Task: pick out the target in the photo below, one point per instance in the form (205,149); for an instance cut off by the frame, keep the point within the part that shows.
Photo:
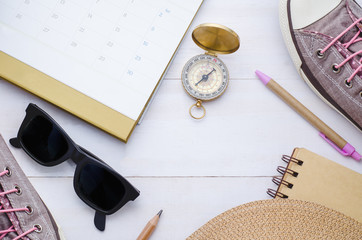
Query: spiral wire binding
(283,170)
(280,181)
(273,193)
(289,159)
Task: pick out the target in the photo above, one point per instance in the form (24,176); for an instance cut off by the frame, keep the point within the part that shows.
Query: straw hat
(280,219)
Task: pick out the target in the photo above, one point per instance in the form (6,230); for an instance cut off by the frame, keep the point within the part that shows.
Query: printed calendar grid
(109,43)
(138,69)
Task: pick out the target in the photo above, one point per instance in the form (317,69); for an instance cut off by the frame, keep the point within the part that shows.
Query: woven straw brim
(280,219)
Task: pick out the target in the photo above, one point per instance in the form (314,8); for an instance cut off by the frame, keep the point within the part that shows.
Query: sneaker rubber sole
(286,28)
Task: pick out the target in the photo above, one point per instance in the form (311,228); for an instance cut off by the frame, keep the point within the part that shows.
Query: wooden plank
(188,203)
(257,25)
(194,170)
(244,133)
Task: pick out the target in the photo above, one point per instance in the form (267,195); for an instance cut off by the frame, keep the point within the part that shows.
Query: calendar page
(114,51)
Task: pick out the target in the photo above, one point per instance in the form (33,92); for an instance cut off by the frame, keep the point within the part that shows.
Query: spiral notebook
(313,178)
(101,60)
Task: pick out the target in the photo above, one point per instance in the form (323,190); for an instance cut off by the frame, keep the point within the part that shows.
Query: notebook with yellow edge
(99,60)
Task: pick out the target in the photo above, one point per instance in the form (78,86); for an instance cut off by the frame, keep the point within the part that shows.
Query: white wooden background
(193,170)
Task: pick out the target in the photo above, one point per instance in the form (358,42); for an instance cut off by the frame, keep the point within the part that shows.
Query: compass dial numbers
(205,77)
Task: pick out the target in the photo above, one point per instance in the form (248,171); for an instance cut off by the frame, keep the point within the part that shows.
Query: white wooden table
(193,170)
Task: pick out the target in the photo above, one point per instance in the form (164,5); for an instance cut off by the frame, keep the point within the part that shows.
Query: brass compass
(205,77)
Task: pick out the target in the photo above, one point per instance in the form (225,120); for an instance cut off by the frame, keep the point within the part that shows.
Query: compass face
(205,77)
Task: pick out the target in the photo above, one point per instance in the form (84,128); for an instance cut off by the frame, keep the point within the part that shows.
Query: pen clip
(347,150)
(344,153)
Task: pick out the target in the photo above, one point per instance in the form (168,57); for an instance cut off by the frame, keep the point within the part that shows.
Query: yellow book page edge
(65,97)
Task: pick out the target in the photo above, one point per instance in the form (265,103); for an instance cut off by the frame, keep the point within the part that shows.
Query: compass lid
(216,38)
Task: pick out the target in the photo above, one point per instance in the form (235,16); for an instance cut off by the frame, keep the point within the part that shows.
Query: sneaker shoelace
(3,233)
(354,39)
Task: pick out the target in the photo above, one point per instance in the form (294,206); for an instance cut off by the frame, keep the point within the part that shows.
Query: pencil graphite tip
(264,78)
(159,213)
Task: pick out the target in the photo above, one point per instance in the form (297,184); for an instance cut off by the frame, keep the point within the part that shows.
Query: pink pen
(336,141)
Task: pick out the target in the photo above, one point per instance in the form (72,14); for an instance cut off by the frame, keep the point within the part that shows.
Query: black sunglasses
(96,183)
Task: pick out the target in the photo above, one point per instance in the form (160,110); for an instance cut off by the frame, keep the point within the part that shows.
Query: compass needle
(205,77)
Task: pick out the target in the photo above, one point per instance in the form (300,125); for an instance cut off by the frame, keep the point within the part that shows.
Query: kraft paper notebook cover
(313,178)
(101,60)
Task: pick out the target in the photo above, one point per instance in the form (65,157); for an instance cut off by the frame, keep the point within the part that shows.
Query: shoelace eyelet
(360,94)
(335,69)
(8,174)
(38,228)
(30,210)
(319,53)
(19,192)
(348,84)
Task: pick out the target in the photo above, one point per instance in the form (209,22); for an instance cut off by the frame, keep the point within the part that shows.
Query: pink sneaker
(23,215)
(324,40)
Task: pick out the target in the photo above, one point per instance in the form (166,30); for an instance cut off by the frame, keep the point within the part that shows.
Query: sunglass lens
(100,186)
(44,140)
